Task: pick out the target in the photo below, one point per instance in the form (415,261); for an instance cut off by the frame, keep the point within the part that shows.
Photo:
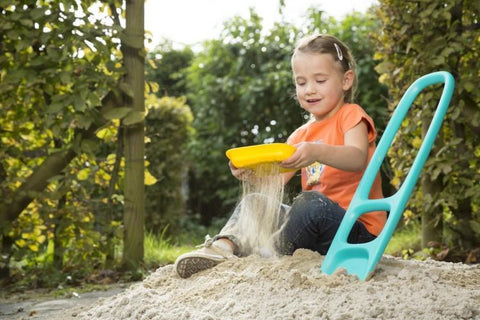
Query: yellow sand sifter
(252,157)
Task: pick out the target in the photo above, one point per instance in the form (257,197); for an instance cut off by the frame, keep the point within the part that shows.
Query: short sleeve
(352,115)
(293,138)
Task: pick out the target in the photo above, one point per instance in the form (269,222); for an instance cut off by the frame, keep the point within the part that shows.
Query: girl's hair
(324,43)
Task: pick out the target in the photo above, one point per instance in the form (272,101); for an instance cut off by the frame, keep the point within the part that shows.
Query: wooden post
(134,192)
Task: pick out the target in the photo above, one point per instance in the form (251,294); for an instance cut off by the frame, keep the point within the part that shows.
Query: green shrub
(168,127)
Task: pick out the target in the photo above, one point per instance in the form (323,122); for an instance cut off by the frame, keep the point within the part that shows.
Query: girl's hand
(304,156)
(240,173)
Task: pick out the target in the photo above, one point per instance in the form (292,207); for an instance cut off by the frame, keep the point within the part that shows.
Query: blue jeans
(310,223)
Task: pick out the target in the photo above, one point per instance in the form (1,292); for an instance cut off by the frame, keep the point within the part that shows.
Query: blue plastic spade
(361,259)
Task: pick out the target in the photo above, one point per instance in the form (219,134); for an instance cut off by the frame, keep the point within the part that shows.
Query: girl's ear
(348,78)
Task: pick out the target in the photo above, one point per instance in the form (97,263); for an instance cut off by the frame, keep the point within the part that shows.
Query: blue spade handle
(361,259)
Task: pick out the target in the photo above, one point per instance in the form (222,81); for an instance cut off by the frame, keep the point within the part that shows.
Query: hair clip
(339,52)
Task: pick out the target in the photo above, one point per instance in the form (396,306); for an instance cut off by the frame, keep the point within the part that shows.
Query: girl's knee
(313,208)
(308,196)
(310,200)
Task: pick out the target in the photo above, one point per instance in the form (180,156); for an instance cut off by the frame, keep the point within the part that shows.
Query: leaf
(133,41)
(37,13)
(78,103)
(106,133)
(94,99)
(151,62)
(126,88)
(438,61)
(20,243)
(116,113)
(475,225)
(417,142)
(88,146)
(83,174)
(153,86)
(33,247)
(38,61)
(469,86)
(54,107)
(149,179)
(134,117)
(41,238)
(65,77)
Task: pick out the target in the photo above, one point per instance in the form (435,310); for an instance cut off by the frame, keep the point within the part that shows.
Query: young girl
(333,150)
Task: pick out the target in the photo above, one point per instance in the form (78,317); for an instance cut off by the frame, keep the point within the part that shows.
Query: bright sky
(193,21)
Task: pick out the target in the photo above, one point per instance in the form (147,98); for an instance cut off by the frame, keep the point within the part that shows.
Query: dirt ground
(46,307)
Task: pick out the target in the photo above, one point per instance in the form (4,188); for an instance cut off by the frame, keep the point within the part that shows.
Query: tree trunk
(5,255)
(133,215)
(58,248)
(432,218)
(463,236)
(109,214)
(432,225)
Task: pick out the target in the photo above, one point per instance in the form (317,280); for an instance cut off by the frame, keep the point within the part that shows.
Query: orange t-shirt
(339,185)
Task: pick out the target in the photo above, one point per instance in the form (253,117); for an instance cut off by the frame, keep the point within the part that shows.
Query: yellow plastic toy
(253,156)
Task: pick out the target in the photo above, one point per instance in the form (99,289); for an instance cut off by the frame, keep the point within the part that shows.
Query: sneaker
(208,257)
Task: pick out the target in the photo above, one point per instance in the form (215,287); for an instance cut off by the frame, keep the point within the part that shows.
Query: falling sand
(260,217)
(293,287)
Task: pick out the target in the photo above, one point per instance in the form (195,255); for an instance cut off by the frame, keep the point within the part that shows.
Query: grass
(159,251)
(405,241)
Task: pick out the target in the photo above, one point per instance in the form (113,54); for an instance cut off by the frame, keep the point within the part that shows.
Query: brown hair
(324,43)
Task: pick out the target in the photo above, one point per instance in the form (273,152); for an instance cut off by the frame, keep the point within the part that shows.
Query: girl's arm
(352,156)
(288,175)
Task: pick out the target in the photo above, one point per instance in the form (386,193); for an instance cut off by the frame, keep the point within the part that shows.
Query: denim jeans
(310,223)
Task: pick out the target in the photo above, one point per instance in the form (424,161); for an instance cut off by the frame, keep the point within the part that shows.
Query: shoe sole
(188,266)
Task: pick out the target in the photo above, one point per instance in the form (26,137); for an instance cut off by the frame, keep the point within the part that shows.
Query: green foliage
(417,38)
(74,224)
(58,61)
(165,69)
(405,240)
(242,93)
(55,67)
(168,127)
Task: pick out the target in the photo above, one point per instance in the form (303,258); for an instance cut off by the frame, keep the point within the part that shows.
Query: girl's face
(320,83)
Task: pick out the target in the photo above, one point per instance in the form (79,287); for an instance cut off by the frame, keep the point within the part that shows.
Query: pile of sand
(292,287)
